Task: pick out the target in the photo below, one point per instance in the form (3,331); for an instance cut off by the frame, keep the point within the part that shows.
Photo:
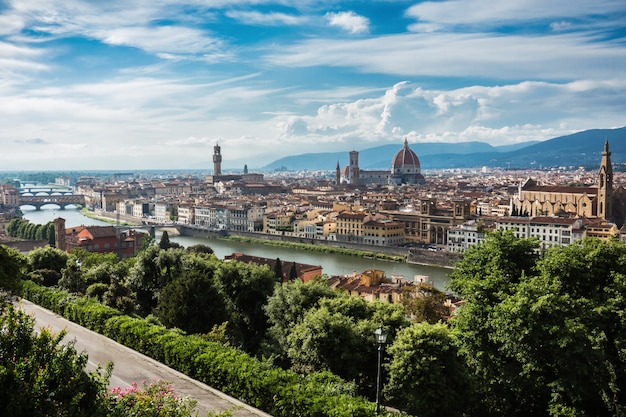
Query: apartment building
(551,231)
(383,233)
(350,226)
(463,236)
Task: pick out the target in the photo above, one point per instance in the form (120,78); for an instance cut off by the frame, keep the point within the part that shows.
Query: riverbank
(388,253)
(110,217)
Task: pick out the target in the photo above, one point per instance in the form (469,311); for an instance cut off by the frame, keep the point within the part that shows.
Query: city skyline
(150,85)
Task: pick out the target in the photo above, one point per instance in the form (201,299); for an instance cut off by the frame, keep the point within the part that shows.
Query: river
(332,263)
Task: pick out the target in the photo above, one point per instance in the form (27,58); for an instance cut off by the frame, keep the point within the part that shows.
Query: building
(429,221)
(550,231)
(463,236)
(383,233)
(405,169)
(371,285)
(99,239)
(598,201)
(304,272)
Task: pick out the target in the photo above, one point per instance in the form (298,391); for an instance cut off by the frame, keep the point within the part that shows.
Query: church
(405,169)
(599,201)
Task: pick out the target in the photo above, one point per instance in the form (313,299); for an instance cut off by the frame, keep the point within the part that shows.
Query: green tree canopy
(245,289)
(285,308)
(192,303)
(11,266)
(427,375)
(550,339)
(47,258)
(40,376)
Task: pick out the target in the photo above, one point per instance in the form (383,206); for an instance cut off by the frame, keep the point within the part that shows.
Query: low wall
(427,257)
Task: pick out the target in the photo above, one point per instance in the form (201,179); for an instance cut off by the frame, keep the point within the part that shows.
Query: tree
(285,308)
(427,375)
(339,336)
(153,269)
(200,248)
(293,272)
(192,303)
(423,302)
(11,265)
(278,270)
(549,342)
(164,243)
(40,376)
(245,289)
(47,258)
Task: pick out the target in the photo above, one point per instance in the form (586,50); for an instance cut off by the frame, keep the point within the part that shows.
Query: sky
(135,84)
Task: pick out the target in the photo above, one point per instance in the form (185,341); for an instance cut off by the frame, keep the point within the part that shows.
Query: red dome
(405,161)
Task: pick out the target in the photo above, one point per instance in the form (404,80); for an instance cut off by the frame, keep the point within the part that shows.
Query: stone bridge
(39,201)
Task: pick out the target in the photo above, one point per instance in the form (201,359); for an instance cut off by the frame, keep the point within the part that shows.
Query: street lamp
(381,338)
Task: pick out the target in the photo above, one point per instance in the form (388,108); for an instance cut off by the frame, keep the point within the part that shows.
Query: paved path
(131,366)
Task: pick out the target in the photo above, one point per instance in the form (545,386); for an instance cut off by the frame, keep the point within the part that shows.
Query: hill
(578,149)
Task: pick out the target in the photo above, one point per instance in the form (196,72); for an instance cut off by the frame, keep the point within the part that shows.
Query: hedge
(279,392)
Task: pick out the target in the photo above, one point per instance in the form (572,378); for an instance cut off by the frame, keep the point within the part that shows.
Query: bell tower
(217,160)
(353,172)
(605,184)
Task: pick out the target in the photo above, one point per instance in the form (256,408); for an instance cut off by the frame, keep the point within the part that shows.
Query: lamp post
(381,338)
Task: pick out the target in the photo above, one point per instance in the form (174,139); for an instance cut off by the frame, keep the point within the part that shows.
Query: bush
(276,391)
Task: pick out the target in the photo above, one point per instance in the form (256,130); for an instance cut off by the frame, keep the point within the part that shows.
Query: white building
(463,236)
(551,231)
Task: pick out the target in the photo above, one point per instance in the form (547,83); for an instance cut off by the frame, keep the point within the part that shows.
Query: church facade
(600,201)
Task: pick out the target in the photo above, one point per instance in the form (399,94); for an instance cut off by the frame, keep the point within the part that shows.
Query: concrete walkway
(131,366)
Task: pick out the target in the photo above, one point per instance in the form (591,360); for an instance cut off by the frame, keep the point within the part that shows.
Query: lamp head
(381,335)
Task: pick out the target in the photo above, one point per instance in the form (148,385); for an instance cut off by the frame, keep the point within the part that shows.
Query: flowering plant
(152,399)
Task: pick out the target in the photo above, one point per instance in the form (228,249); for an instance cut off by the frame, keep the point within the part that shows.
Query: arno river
(332,263)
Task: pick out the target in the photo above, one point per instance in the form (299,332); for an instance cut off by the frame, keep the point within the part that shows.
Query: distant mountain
(579,149)
(380,157)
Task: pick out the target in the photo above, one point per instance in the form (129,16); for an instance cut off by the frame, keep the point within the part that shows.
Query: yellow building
(371,285)
(383,233)
(350,226)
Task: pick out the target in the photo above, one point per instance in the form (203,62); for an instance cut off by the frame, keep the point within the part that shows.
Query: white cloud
(488,12)
(269,19)
(348,21)
(508,57)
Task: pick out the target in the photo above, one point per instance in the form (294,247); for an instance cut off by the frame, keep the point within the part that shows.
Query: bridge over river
(38,201)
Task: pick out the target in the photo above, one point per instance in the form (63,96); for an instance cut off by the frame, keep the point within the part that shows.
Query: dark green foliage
(153,269)
(47,258)
(72,279)
(549,341)
(97,290)
(40,376)
(293,272)
(285,308)
(24,229)
(245,289)
(278,270)
(427,375)
(11,265)
(192,303)
(201,249)
(278,392)
(47,277)
(425,303)
(164,243)
(339,336)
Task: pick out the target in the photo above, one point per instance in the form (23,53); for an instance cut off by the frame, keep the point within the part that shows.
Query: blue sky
(137,84)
